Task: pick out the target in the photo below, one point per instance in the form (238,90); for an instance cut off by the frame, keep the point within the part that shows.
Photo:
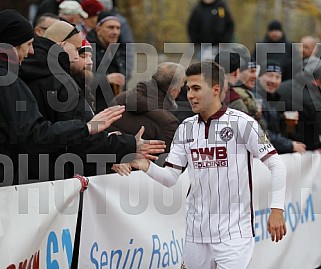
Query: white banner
(37,224)
(300,248)
(134,222)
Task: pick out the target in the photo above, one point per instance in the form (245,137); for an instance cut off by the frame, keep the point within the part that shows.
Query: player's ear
(216,89)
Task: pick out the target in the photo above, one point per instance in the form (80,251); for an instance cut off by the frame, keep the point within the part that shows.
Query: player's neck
(207,114)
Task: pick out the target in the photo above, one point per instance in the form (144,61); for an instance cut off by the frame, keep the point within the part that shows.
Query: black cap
(14,28)
(105,16)
(229,60)
(275,25)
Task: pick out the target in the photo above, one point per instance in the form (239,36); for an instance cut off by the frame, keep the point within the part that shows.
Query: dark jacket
(301,95)
(105,65)
(51,84)
(184,109)
(273,119)
(147,105)
(284,59)
(23,129)
(47,76)
(211,23)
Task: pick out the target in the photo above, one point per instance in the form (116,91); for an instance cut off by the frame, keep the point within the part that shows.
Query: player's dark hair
(211,71)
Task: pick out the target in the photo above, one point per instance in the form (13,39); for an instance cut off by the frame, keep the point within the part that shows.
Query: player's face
(270,81)
(201,96)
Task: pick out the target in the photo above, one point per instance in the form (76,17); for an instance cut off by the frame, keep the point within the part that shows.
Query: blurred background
(159,21)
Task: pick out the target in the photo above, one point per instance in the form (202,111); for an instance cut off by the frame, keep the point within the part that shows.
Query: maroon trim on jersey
(215,116)
(251,190)
(207,127)
(269,155)
(174,166)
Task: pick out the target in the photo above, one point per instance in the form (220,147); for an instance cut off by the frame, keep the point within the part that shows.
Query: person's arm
(278,177)
(261,148)
(32,132)
(276,223)
(166,176)
(175,162)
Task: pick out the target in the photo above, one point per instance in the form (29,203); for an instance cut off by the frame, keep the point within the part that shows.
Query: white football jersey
(219,157)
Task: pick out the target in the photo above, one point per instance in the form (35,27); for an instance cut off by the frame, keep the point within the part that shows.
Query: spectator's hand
(148,147)
(116,78)
(104,119)
(123,169)
(299,147)
(276,224)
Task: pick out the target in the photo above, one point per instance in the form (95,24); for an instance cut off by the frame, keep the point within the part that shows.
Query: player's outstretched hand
(105,118)
(148,147)
(140,163)
(276,224)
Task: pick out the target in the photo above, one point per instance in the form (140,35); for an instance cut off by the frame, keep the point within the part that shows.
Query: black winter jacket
(211,23)
(301,95)
(272,117)
(23,129)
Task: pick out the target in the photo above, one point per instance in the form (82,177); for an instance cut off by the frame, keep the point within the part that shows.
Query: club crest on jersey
(226,134)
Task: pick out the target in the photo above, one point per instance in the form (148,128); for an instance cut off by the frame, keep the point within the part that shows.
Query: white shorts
(236,253)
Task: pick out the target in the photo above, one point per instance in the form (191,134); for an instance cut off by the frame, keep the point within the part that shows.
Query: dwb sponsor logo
(209,157)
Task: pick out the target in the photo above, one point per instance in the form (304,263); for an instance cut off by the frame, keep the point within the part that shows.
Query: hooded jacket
(147,105)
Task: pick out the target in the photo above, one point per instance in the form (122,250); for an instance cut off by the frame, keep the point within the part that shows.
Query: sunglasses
(73,32)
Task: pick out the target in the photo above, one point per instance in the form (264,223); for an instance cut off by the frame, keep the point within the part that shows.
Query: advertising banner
(135,222)
(37,224)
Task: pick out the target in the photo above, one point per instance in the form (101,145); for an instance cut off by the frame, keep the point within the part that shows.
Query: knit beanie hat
(275,25)
(85,47)
(247,64)
(14,28)
(230,61)
(105,16)
(92,7)
(270,66)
